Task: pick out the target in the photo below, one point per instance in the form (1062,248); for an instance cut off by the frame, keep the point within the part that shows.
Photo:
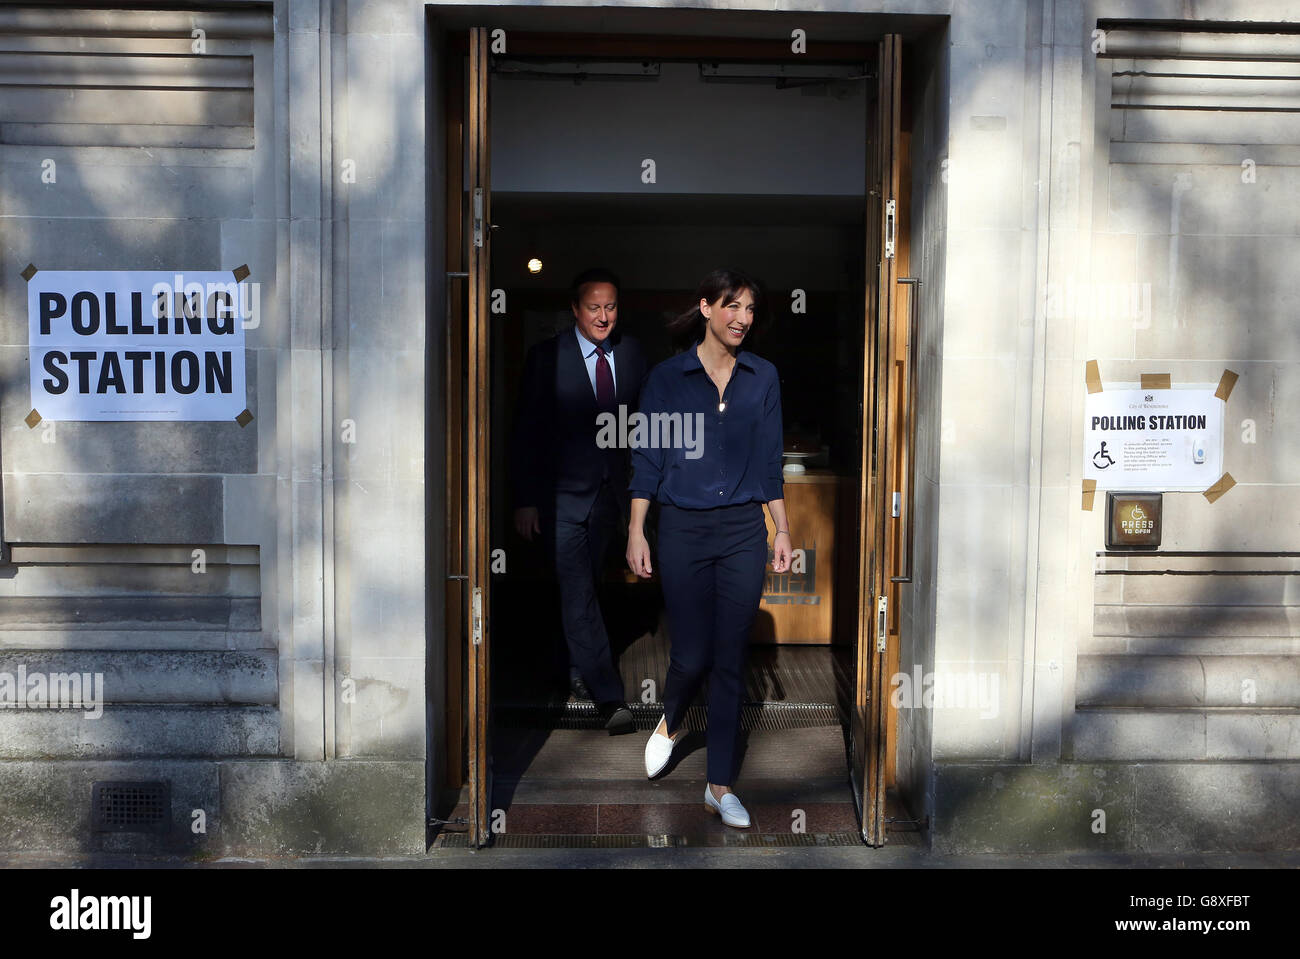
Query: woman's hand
(782,552)
(638,553)
(638,550)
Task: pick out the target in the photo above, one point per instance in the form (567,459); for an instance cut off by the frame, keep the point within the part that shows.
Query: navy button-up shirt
(710,453)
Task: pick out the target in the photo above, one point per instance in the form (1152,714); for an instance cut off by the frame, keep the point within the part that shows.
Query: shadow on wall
(144,206)
(1198,245)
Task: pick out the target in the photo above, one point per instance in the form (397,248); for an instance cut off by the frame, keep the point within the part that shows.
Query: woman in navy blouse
(711,458)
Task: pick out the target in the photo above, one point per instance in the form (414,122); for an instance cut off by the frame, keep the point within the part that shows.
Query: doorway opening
(549,747)
(802,208)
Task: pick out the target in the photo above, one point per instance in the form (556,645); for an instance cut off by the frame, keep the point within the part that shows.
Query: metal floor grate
(530,660)
(583,715)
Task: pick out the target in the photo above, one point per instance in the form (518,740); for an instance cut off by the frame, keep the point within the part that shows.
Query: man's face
(596,311)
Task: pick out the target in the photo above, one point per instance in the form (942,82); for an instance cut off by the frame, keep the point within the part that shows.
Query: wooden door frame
(902,416)
(453,80)
(882,724)
(468,446)
(478,429)
(872,718)
(569,47)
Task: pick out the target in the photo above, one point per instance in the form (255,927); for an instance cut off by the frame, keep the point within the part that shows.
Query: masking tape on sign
(1225,483)
(1226,383)
(1089,493)
(1093,375)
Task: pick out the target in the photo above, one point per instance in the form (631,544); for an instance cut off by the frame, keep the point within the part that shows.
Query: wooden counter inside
(799,606)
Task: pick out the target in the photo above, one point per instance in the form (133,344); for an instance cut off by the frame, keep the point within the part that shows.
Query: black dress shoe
(618,718)
(579,688)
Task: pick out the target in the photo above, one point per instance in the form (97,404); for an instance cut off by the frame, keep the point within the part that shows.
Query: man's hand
(527,523)
(638,554)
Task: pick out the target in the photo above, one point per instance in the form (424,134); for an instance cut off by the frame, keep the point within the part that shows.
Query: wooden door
(881,392)
(454,773)
(476,441)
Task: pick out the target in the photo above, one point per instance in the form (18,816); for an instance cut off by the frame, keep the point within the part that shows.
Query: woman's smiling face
(729,320)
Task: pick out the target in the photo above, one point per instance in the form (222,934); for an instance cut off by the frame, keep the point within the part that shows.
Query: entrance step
(586,789)
(795,755)
(660,814)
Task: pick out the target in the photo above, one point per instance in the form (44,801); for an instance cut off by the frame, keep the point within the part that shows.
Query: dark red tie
(604,382)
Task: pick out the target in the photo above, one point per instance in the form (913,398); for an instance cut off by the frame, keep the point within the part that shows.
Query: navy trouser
(579,552)
(711,568)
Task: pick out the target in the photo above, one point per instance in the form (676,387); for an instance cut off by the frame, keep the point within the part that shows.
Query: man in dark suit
(567,488)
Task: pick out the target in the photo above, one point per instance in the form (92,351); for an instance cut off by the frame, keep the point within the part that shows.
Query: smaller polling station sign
(1159,440)
(136,345)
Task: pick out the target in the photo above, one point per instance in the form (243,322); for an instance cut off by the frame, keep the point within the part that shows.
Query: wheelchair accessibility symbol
(1101,459)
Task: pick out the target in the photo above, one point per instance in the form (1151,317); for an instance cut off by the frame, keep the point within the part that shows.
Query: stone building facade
(1091,180)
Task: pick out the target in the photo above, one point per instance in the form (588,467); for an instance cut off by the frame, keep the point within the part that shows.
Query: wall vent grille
(130,806)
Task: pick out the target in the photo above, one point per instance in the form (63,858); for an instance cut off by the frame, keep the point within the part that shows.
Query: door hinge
(478,216)
(897,506)
(882,622)
(478,616)
(891,210)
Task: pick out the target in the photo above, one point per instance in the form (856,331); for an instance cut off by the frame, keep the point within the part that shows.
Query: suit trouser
(711,568)
(580,546)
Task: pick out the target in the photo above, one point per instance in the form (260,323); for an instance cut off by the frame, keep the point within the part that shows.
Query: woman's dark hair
(687,328)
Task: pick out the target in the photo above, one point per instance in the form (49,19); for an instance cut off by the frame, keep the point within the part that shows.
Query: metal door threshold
(457,840)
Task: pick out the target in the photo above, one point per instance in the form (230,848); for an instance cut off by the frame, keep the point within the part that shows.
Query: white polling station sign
(1157,440)
(136,345)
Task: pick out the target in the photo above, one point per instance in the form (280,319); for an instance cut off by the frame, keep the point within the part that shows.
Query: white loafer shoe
(729,808)
(658,750)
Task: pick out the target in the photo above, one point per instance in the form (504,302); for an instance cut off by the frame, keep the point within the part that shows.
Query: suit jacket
(556,465)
